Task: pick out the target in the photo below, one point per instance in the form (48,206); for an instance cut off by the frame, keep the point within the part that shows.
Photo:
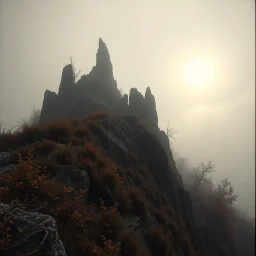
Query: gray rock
(67,78)
(3,156)
(144,108)
(7,168)
(73,177)
(32,232)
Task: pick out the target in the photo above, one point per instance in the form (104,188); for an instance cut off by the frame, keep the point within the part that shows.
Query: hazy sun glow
(198,73)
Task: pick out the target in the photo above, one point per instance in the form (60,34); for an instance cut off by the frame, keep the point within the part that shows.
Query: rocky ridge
(106,182)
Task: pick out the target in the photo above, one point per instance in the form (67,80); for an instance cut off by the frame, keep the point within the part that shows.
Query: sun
(198,73)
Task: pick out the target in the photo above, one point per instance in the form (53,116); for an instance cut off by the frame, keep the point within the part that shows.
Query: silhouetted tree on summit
(75,71)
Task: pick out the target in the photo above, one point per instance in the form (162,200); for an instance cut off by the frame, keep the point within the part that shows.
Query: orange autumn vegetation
(94,229)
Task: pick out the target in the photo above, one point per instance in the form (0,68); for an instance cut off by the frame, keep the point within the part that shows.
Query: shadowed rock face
(49,103)
(67,79)
(144,108)
(103,63)
(97,88)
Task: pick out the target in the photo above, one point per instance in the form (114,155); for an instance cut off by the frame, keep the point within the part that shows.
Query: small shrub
(46,164)
(63,155)
(30,134)
(158,242)
(59,131)
(130,246)
(43,147)
(110,223)
(7,140)
(109,178)
(112,180)
(77,141)
(101,162)
(88,150)
(82,132)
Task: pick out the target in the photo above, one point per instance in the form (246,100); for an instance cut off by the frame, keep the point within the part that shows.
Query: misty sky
(150,44)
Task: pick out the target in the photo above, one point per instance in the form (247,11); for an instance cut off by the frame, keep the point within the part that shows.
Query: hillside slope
(106,182)
(96,177)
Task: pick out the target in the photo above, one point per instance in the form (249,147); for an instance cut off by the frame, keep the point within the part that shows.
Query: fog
(150,44)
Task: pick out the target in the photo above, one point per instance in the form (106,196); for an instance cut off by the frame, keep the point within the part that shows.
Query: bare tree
(75,71)
(225,192)
(202,173)
(33,119)
(170,132)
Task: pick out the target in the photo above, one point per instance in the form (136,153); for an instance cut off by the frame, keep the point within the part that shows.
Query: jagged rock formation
(95,91)
(144,108)
(67,79)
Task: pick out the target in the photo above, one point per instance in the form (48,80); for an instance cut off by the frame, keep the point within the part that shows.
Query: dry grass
(93,232)
(97,115)
(130,246)
(82,132)
(43,147)
(158,242)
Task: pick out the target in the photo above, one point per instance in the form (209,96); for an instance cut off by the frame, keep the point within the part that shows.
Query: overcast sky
(151,43)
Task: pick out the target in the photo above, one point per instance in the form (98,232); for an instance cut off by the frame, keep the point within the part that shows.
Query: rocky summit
(96,177)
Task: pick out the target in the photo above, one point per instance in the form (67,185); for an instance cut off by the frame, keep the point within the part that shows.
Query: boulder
(73,177)
(67,79)
(30,232)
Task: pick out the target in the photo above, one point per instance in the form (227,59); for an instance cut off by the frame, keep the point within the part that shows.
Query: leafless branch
(76,72)
(202,172)
(170,132)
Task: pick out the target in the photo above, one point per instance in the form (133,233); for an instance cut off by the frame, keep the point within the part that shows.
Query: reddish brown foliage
(158,242)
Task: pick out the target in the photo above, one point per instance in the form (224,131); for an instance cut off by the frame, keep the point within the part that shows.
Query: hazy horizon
(151,43)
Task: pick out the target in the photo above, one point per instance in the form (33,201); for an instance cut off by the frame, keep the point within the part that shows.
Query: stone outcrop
(151,107)
(103,69)
(31,233)
(144,108)
(96,91)
(48,111)
(67,79)
(96,88)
